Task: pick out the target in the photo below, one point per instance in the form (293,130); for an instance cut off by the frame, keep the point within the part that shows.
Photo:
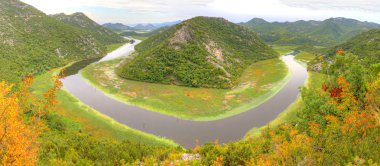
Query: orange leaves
(218,162)
(18,135)
(359,122)
(50,95)
(16,138)
(340,51)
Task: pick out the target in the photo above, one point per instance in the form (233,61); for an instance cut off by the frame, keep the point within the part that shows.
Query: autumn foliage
(20,121)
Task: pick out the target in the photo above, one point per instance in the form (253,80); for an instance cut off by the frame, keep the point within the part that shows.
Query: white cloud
(365,5)
(55,6)
(136,11)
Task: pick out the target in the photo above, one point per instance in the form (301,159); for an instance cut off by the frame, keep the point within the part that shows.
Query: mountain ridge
(365,45)
(82,21)
(32,42)
(332,31)
(200,52)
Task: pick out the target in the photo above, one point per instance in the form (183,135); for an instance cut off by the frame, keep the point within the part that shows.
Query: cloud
(364,5)
(54,6)
(144,11)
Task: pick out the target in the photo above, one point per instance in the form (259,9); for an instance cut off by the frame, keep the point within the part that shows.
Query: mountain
(117,26)
(329,32)
(200,52)
(32,42)
(364,45)
(144,27)
(166,24)
(80,20)
(143,34)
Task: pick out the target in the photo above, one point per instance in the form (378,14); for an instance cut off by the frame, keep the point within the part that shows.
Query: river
(186,132)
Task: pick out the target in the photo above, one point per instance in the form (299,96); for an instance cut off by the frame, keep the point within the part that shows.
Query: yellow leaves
(16,138)
(17,135)
(315,128)
(373,95)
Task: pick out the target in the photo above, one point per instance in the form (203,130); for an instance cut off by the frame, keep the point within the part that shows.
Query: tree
(20,121)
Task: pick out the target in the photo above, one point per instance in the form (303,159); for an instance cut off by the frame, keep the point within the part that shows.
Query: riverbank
(78,117)
(185,132)
(258,83)
(290,114)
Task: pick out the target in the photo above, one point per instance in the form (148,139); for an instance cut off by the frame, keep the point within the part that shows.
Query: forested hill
(80,20)
(32,42)
(329,32)
(200,52)
(365,45)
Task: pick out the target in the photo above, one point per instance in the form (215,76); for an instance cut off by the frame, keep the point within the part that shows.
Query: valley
(106,86)
(186,132)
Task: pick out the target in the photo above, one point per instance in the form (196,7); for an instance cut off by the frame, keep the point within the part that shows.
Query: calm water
(186,132)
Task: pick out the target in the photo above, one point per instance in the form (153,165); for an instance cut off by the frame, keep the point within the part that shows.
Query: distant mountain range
(32,42)
(149,26)
(116,26)
(143,34)
(329,32)
(200,52)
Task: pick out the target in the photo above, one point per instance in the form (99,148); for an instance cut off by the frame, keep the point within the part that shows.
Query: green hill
(365,45)
(100,33)
(329,32)
(32,42)
(200,52)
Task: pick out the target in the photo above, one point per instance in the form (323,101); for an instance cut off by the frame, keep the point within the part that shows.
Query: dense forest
(32,42)
(366,46)
(200,52)
(328,33)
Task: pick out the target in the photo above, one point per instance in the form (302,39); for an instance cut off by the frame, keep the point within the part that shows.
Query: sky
(156,11)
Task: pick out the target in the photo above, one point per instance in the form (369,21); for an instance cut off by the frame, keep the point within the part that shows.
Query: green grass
(113,47)
(304,57)
(290,114)
(258,83)
(282,50)
(90,121)
(139,37)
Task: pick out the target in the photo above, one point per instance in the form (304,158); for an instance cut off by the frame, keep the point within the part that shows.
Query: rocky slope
(80,20)
(32,42)
(200,52)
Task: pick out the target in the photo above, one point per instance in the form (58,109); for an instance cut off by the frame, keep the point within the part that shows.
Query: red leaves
(325,87)
(334,92)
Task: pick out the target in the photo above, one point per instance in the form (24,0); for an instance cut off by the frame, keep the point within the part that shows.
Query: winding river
(186,132)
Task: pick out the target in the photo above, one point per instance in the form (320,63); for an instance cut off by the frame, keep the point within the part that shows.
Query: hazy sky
(153,11)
